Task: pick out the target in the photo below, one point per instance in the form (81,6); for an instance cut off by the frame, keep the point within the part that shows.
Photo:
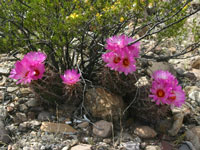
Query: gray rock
(23,108)
(187,146)
(152,147)
(102,128)
(193,135)
(132,145)
(178,121)
(20,117)
(3,112)
(4,134)
(12,89)
(195,95)
(65,148)
(44,116)
(4,71)
(32,103)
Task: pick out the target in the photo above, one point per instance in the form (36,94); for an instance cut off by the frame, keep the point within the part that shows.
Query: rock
(4,71)
(152,147)
(145,132)
(164,125)
(193,135)
(83,125)
(23,108)
(195,95)
(196,63)
(1,96)
(31,115)
(32,103)
(4,134)
(103,104)
(25,91)
(44,116)
(20,117)
(131,145)
(196,73)
(102,128)
(186,146)
(178,121)
(82,147)
(180,71)
(161,66)
(3,112)
(3,81)
(12,89)
(57,128)
(190,75)
(143,81)
(65,148)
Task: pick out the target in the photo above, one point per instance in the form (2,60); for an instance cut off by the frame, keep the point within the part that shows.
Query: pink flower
(120,56)
(160,92)
(127,63)
(21,72)
(113,60)
(165,89)
(71,77)
(30,68)
(35,57)
(176,97)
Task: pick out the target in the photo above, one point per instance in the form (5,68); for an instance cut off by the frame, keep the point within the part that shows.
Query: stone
(164,125)
(57,128)
(186,145)
(190,75)
(193,135)
(31,115)
(1,96)
(3,112)
(4,71)
(103,104)
(20,117)
(23,108)
(12,89)
(82,147)
(152,147)
(196,73)
(25,91)
(44,116)
(3,80)
(83,125)
(161,66)
(4,134)
(102,128)
(195,95)
(65,148)
(32,103)
(177,124)
(196,63)
(131,145)
(145,132)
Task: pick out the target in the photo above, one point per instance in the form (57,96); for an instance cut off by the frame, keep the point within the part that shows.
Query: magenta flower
(30,68)
(21,72)
(35,57)
(176,97)
(120,56)
(70,77)
(113,60)
(165,89)
(127,63)
(160,92)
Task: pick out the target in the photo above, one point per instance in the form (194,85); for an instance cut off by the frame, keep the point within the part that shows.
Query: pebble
(82,147)
(3,112)
(102,128)
(44,116)
(12,89)
(32,102)
(4,134)
(145,132)
(152,147)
